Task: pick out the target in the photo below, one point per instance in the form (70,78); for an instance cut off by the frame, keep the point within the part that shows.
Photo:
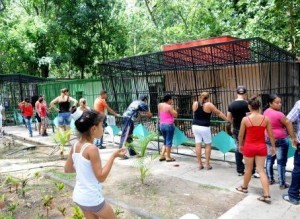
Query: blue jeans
(167,131)
(294,193)
(282,147)
(127,126)
(27,120)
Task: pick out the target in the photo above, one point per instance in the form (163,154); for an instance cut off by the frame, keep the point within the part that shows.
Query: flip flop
(208,167)
(171,160)
(265,198)
(242,189)
(162,159)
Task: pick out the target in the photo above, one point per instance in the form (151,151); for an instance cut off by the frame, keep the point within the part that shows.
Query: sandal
(265,198)
(162,159)
(209,167)
(201,167)
(170,160)
(242,189)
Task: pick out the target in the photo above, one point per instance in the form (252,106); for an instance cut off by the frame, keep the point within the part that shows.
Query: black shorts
(38,117)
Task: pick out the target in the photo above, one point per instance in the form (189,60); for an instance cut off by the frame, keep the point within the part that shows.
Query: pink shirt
(278,128)
(165,117)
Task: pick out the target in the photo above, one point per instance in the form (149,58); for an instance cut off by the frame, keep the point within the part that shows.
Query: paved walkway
(223,176)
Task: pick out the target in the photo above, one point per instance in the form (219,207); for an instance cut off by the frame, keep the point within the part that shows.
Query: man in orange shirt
(101,105)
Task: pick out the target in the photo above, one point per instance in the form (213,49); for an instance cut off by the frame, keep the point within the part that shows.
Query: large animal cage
(14,88)
(216,68)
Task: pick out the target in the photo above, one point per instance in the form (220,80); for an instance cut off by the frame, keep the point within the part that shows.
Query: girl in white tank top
(84,159)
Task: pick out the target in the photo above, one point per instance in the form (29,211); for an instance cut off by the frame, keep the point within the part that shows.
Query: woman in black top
(201,127)
(64,103)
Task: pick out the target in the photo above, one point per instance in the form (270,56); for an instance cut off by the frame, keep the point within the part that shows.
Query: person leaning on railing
(202,111)
(166,114)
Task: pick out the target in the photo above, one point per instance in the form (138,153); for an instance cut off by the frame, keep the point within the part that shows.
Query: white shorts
(202,134)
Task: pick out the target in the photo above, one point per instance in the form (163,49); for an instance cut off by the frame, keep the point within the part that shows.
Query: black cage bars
(217,68)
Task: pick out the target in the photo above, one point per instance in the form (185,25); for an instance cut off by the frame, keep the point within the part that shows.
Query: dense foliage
(67,38)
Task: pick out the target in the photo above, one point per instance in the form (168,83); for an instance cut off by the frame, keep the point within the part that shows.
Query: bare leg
(39,128)
(248,171)
(107,212)
(207,154)
(260,162)
(89,215)
(168,150)
(163,151)
(198,154)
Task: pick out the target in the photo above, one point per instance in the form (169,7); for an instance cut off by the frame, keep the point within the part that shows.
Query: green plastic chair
(291,150)
(179,137)
(223,142)
(140,131)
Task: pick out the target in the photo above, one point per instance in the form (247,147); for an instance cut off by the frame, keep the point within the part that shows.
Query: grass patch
(206,186)
(61,175)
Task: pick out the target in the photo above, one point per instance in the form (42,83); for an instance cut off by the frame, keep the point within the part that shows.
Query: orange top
(100,105)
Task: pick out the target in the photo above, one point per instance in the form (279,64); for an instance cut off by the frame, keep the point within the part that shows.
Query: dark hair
(27,100)
(143,97)
(64,90)
(167,98)
(254,102)
(103,92)
(271,98)
(87,120)
(41,99)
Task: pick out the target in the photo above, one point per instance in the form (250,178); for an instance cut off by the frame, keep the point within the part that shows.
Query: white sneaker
(256,175)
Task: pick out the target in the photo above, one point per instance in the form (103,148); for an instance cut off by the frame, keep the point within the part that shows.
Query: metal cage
(217,68)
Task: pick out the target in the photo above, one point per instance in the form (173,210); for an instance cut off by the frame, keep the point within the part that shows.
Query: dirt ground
(161,196)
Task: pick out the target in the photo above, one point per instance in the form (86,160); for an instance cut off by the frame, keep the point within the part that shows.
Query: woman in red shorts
(253,146)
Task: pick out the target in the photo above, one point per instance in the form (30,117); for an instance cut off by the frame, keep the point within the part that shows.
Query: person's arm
(214,109)
(195,106)
(241,135)
(144,111)
(52,104)
(111,111)
(289,127)
(173,111)
(100,172)
(75,102)
(69,165)
(271,136)
(229,117)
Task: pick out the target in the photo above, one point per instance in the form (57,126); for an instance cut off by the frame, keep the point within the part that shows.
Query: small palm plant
(47,203)
(12,207)
(61,138)
(2,201)
(143,163)
(77,214)
(62,210)
(60,186)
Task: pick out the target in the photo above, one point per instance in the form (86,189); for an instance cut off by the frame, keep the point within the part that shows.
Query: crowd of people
(261,137)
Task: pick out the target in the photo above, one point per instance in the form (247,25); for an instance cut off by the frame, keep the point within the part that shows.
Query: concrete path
(222,175)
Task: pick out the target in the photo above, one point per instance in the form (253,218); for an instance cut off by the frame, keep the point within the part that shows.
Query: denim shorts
(167,131)
(64,118)
(93,209)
